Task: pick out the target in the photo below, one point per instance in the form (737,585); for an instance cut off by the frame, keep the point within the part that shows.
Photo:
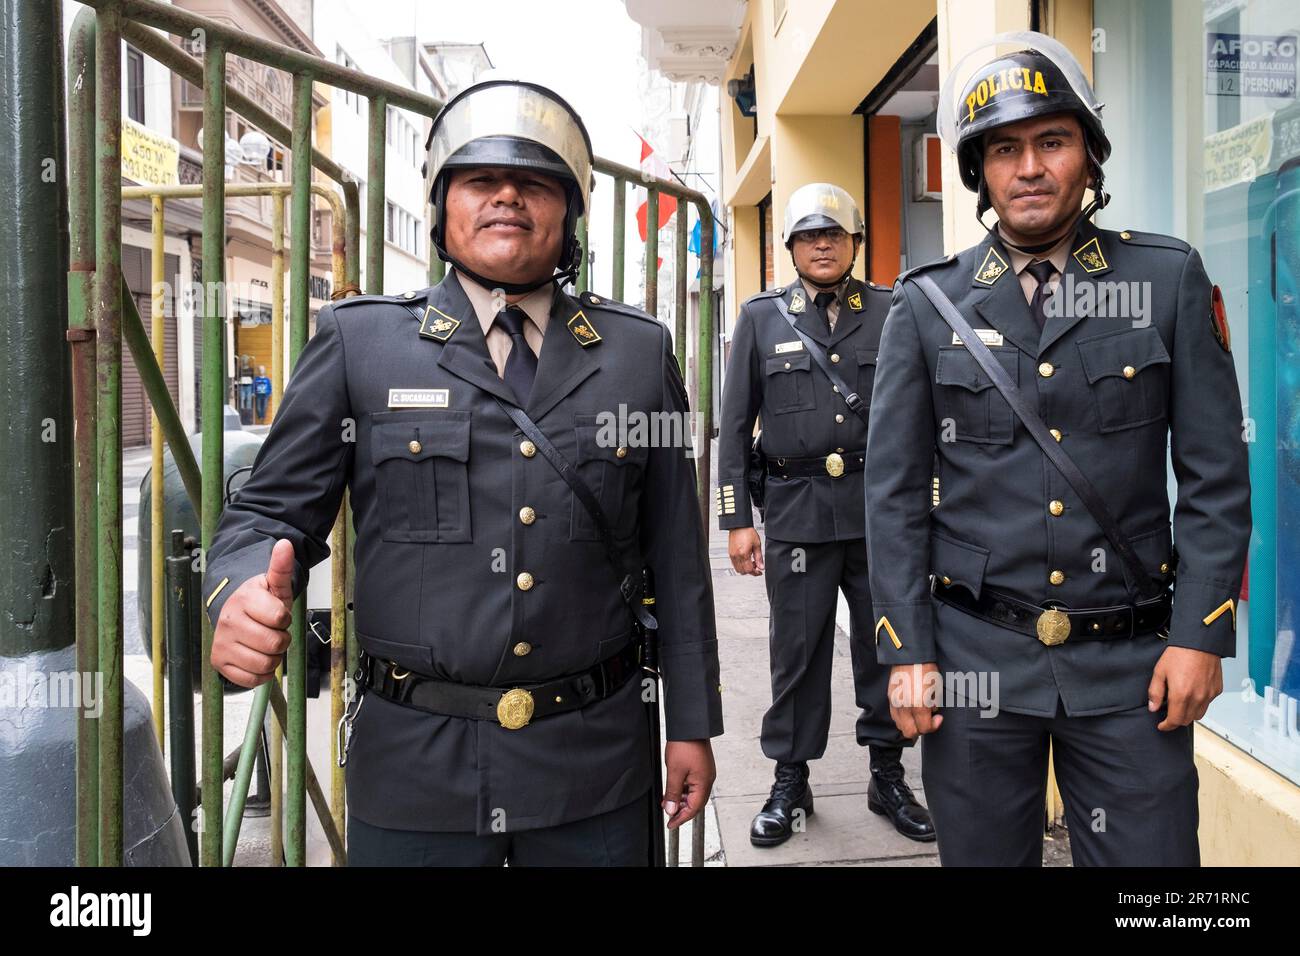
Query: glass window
(1202,110)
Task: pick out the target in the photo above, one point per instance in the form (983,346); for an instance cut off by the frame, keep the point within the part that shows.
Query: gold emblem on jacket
(515,708)
(1053,627)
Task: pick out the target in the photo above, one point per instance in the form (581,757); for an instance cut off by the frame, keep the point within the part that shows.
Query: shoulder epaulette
(1153,239)
(933,264)
(405,298)
(591,300)
(772,293)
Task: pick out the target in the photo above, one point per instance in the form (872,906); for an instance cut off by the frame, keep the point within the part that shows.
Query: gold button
(524,581)
(1056,433)
(835,356)
(1046,369)
(1125,235)
(839,451)
(528,448)
(415,447)
(527,515)
(1164,567)
(945,579)
(1095,627)
(1129,371)
(839,419)
(787,364)
(835,389)
(523,649)
(1056,507)
(1057,577)
(621,452)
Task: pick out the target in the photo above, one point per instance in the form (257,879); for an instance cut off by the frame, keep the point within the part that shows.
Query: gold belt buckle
(834,465)
(1053,627)
(515,708)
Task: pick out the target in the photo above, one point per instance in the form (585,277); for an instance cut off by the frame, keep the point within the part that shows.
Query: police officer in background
(800,355)
(1060,588)
(502,717)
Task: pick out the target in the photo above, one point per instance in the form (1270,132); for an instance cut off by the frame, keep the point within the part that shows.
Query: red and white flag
(653,165)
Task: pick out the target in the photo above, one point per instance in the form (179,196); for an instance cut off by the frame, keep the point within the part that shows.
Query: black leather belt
(1056,625)
(512,707)
(835,464)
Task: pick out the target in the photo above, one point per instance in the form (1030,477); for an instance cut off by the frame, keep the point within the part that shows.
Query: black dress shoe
(892,797)
(790,794)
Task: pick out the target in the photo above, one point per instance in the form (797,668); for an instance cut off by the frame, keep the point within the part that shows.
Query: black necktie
(822,300)
(1043,270)
(521,363)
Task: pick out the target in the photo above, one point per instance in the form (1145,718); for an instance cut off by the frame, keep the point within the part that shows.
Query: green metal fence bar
(108,431)
(682,281)
(620,238)
(81,336)
(311,784)
(244,773)
(213,402)
(652,251)
(295,664)
(157,584)
(376,146)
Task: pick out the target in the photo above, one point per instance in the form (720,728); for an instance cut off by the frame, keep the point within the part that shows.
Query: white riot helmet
(821,206)
(518,124)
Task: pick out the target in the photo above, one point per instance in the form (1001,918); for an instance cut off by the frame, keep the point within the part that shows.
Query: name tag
(987,336)
(418,397)
(795,346)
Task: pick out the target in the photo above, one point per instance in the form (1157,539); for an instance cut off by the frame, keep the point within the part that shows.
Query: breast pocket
(613,473)
(1129,374)
(968,398)
(866,373)
(422,475)
(790,383)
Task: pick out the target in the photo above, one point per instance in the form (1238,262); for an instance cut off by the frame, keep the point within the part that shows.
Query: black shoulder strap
(850,396)
(1138,578)
(630,582)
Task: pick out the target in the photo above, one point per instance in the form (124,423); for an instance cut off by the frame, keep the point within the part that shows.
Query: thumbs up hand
(252,632)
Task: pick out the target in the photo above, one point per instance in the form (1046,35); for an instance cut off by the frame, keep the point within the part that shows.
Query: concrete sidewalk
(841,831)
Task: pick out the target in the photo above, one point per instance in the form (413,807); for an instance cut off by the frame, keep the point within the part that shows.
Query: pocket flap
(790,362)
(867,356)
(1112,352)
(416,657)
(959,562)
(438,436)
(956,366)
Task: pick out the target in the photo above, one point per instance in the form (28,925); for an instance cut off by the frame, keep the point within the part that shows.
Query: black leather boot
(790,794)
(889,795)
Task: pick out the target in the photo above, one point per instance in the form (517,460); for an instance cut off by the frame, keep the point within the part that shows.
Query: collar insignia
(855,302)
(438,325)
(582,329)
(992,268)
(797,302)
(1089,256)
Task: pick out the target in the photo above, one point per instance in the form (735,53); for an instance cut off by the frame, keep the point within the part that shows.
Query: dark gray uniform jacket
(770,374)
(1122,393)
(437,494)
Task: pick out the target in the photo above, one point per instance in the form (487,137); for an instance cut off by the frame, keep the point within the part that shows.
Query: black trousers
(620,837)
(1130,790)
(802,581)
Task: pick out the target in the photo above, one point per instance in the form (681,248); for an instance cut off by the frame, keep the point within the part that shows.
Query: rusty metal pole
(157,569)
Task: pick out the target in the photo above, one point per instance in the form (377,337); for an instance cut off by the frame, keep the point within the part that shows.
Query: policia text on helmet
(1029,140)
(509,173)
(823,231)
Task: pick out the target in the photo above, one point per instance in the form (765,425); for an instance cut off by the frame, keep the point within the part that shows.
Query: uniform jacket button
(1164,567)
(524,581)
(1046,369)
(523,649)
(839,419)
(527,448)
(787,364)
(621,451)
(1129,371)
(1056,507)
(1056,433)
(527,515)
(415,447)
(835,356)
(1057,577)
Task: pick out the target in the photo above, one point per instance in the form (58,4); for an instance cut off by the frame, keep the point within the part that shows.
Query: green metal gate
(102,316)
